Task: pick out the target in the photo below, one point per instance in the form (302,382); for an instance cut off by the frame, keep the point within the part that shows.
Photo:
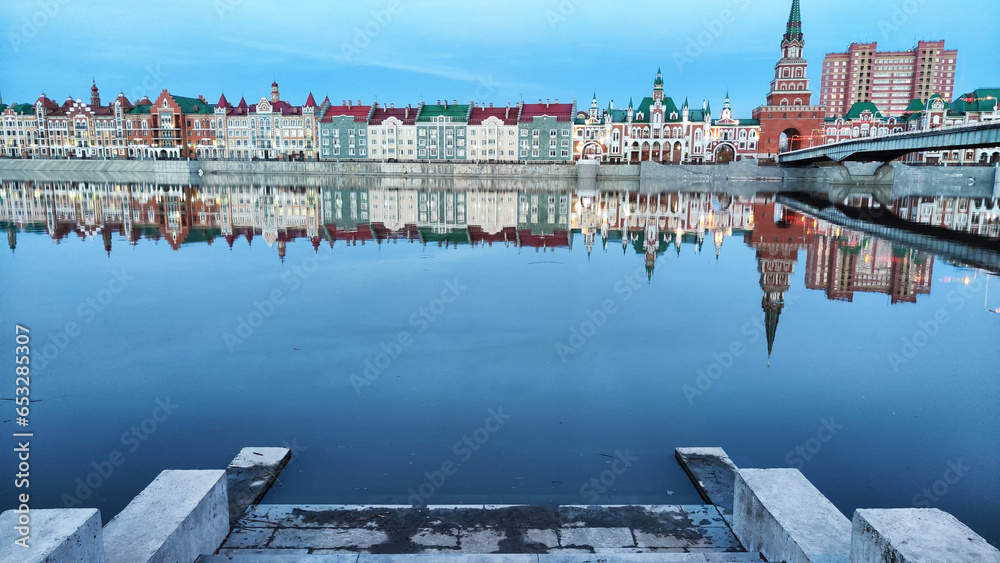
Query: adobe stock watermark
(597,318)
(88,310)
(364,35)
(698,43)
(463,449)
(596,486)
(799,455)
(223,7)
(899,15)
(420,319)
(911,345)
(262,310)
(131,440)
(930,495)
(562,12)
(30,26)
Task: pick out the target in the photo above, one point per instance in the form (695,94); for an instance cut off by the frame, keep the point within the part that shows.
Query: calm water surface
(522,371)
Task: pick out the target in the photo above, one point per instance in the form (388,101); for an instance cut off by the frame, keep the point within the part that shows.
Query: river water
(498,346)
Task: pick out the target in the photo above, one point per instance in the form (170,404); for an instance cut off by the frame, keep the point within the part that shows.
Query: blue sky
(403,51)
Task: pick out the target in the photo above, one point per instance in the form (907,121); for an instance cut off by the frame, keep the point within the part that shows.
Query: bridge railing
(889,136)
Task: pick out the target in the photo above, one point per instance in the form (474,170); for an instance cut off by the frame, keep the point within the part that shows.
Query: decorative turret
(658,87)
(95,97)
(275,97)
(595,112)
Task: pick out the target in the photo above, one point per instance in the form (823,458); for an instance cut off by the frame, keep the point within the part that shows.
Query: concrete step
(270,556)
(490,529)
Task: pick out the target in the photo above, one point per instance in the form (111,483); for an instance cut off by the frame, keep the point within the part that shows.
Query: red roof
(223,102)
(382,113)
(123,100)
(562,112)
(46,103)
(243,102)
(310,101)
(360,113)
(507,115)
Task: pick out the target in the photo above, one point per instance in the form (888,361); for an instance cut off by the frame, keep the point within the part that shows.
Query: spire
(771,315)
(310,101)
(794,30)
(95,97)
(685,106)
(659,79)
(630,103)
(223,102)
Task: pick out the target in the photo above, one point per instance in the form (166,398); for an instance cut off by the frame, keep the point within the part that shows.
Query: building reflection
(839,261)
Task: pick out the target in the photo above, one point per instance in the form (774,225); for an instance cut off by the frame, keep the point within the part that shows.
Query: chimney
(446,104)
(406,115)
(343,102)
(454,102)
(557,101)
(546,103)
(392,105)
(359,102)
(439,102)
(348,103)
(491,104)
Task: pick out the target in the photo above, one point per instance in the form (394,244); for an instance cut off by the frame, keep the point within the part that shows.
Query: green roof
(860,107)
(141,108)
(23,109)
(668,108)
(3,107)
(982,99)
(458,112)
(456,235)
(915,106)
(193,105)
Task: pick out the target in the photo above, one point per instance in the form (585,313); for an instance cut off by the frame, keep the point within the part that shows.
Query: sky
(402,51)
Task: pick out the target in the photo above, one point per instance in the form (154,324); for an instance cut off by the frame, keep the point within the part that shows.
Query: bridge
(955,246)
(885,148)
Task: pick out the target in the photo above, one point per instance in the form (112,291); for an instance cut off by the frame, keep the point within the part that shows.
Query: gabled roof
(562,112)
(508,115)
(407,115)
(457,112)
(915,105)
(359,113)
(860,107)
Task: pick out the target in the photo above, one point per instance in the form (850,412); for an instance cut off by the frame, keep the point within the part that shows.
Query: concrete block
(713,475)
(65,535)
(179,516)
(910,535)
(779,513)
(328,538)
(250,475)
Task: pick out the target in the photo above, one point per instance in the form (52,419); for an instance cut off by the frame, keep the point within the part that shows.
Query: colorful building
(545,131)
(441,131)
(339,127)
(889,79)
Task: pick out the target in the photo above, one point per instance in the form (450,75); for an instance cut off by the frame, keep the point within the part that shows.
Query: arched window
(784,73)
(798,102)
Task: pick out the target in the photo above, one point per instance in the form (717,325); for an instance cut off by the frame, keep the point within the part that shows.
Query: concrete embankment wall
(744,177)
